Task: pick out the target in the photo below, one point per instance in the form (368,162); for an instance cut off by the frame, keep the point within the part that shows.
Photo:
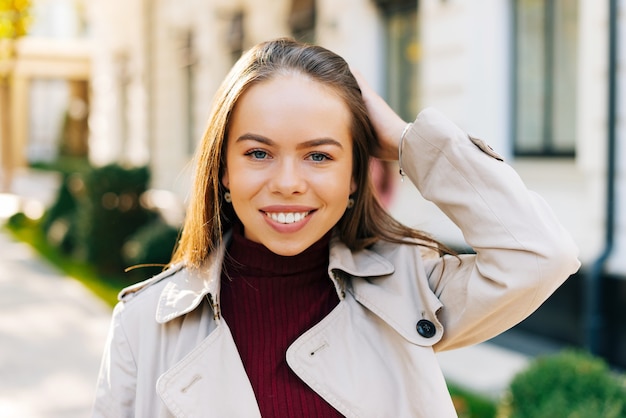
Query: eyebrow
(303,145)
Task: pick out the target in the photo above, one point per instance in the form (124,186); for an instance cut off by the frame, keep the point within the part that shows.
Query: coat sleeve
(522,253)
(115,390)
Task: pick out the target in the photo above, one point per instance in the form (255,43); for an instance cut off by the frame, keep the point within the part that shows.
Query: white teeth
(287,218)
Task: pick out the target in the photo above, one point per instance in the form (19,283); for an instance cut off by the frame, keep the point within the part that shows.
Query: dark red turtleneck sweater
(268,301)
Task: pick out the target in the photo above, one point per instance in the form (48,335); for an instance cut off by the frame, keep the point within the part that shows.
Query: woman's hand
(387,123)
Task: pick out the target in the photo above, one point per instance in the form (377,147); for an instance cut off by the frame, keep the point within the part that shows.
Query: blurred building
(531,77)
(50,75)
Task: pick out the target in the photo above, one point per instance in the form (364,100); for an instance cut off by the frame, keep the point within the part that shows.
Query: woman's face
(289,162)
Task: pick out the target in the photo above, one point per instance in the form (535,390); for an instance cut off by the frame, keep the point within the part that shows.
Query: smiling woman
(305,74)
(292,291)
(289,162)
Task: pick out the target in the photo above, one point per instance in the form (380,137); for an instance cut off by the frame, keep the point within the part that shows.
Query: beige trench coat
(169,352)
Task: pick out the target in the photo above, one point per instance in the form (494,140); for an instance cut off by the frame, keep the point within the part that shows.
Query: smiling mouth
(287,217)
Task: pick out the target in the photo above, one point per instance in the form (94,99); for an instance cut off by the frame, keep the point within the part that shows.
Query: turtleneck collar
(246,257)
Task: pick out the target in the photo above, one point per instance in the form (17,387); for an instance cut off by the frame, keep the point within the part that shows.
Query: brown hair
(208,217)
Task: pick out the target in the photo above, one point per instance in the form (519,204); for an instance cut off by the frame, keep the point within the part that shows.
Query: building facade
(46,75)
(534,78)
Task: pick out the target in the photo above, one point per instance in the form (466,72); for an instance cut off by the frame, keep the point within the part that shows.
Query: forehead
(291,105)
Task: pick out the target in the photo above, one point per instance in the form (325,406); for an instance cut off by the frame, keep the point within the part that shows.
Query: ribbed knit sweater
(268,301)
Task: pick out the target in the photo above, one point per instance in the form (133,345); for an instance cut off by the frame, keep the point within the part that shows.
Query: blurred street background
(52,331)
(102,103)
(52,328)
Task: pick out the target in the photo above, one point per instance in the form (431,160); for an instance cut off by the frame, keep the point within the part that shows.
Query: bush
(107,213)
(471,405)
(19,220)
(150,248)
(58,222)
(96,211)
(571,384)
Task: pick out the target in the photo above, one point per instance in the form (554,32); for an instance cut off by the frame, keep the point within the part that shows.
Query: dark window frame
(400,99)
(548,149)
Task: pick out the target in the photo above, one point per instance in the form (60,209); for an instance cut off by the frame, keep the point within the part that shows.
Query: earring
(227,197)
(350,203)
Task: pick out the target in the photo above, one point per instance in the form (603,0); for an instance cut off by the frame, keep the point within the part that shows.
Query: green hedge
(98,218)
(108,212)
(570,384)
(150,248)
(471,405)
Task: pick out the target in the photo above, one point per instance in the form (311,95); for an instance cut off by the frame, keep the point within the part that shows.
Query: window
(544,77)
(403,51)
(401,76)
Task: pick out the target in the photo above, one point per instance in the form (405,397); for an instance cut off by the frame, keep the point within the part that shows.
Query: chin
(287,251)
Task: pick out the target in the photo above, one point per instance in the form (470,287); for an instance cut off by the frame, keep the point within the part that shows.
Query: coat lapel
(398,295)
(364,368)
(195,386)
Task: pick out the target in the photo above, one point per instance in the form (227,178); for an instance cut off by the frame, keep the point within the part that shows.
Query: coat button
(425,328)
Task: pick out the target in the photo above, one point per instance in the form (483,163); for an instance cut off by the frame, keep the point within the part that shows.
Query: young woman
(292,292)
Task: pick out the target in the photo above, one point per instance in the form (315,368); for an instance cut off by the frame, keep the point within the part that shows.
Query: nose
(288,178)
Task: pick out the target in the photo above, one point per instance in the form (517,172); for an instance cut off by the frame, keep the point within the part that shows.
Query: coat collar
(186,288)
(362,263)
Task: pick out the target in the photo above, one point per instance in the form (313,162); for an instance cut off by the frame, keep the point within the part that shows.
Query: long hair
(208,217)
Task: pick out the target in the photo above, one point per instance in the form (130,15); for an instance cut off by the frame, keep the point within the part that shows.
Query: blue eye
(318,157)
(257,154)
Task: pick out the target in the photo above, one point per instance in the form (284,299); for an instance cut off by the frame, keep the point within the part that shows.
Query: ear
(353,186)
(225,181)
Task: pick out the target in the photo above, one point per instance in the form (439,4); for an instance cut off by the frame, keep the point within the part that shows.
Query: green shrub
(108,211)
(471,405)
(18,220)
(98,218)
(571,384)
(58,222)
(64,164)
(150,248)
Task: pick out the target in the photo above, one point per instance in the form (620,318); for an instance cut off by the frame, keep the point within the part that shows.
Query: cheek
(344,188)
(233,177)
(245,186)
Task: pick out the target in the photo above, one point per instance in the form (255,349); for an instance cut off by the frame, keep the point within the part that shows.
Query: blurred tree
(14,22)
(14,18)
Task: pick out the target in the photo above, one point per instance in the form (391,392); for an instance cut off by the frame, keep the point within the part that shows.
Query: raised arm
(523,254)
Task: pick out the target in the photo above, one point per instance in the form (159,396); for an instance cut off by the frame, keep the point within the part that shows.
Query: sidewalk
(52,332)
